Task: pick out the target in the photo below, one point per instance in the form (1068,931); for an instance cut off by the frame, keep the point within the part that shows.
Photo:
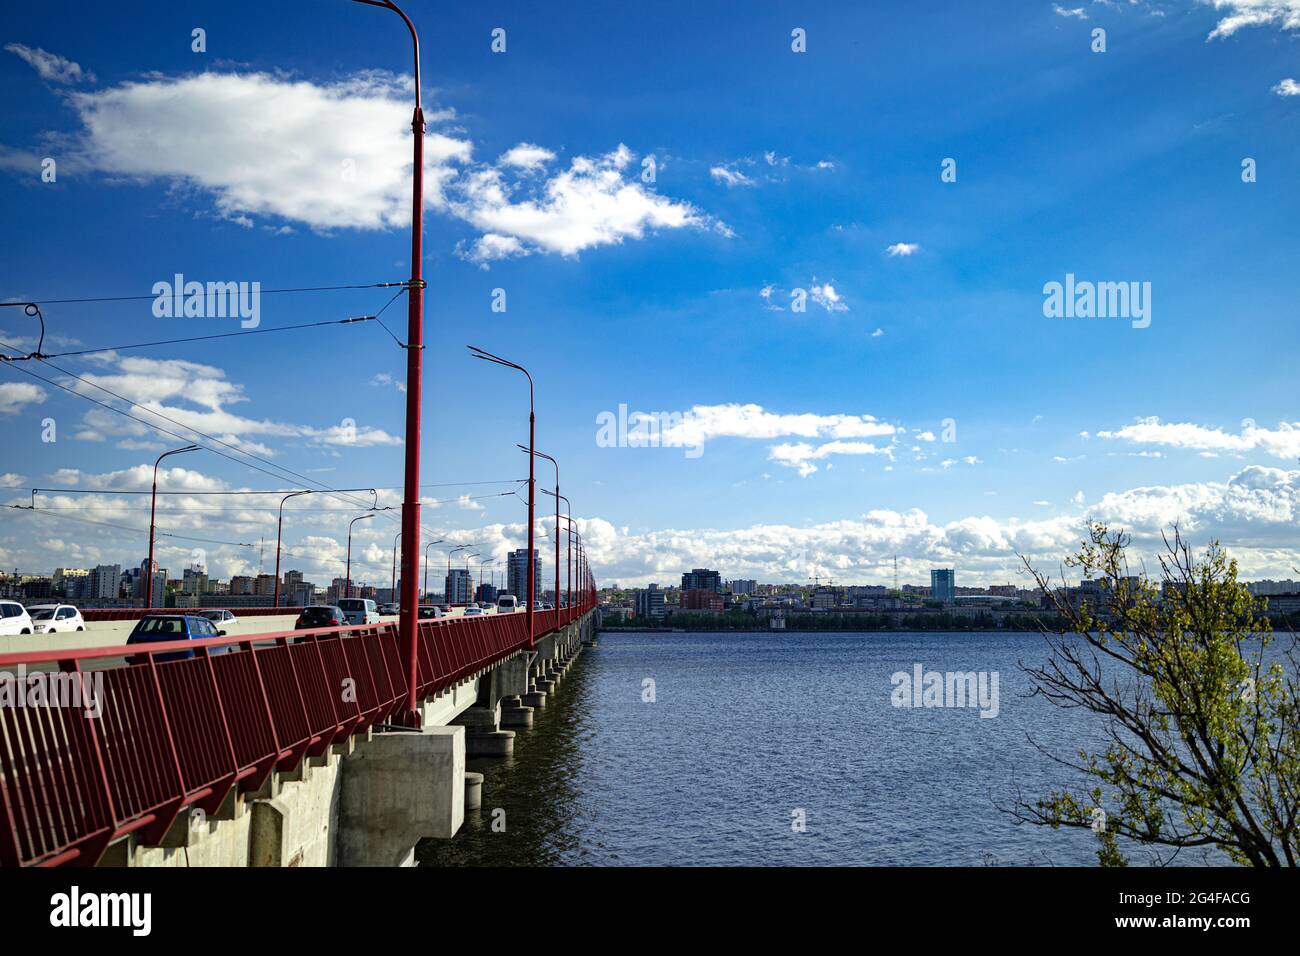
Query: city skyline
(922,405)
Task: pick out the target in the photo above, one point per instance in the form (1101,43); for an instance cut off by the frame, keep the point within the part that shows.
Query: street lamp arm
(415,37)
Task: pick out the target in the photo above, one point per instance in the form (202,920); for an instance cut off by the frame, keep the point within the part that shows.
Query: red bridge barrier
(180,733)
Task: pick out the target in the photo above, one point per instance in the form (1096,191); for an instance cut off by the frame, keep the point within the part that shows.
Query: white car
(56,618)
(507,604)
(359,610)
(473,611)
(221,618)
(14,618)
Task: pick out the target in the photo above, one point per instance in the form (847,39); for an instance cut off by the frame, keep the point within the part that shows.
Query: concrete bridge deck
(271,748)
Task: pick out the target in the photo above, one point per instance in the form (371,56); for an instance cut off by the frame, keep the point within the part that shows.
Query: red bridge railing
(171,734)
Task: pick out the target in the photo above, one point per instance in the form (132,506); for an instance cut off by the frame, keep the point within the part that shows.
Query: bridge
(266,749)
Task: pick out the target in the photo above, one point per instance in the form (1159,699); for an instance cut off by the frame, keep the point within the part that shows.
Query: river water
(779,749)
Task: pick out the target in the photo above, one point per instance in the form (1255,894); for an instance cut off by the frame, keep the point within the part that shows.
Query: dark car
(161,628)
(430,611)
(320,615)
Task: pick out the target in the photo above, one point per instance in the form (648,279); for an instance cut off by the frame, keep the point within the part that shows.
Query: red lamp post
(153,507)
(408,632)
(279,528)
(542,454)
(568,551)
(479,353)
(347,581)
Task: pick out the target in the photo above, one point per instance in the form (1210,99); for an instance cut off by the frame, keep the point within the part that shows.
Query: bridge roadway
(266,748)
(110,633)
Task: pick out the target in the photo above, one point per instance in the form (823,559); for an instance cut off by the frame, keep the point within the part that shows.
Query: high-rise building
(194,580)
(943,584)
(458,584)
(743,586)
(517,575)
(241,584)
(700,599)
(486,592)
(105,582)
(649,602)
(702,579)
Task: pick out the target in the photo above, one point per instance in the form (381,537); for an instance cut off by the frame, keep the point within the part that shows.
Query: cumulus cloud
(331,155)
(801,455)
(730,177)
(11,479)
(828,298)
(1076,12)
(1287,87)
(157,385)
(15,396)
(336,156)
(1284,14)
(592,203)
(51,67)
(526,156)
(704,423)
(1253,513)
(1280,442)
(903,248)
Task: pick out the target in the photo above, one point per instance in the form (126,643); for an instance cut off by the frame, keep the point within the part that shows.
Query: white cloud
(491,248)
(704,423)
(1287,87)
(878,333)
(526,156)
(51,66)
(336,156)
(12,479)
(1077,12)
(1253,513)
(1284,14)
(331,156)
(828,298)
(801,455)
(730,177)
(765,294)
(468,504)
(590,204)
(903,248)
(1280,442)
(15,396)
(385,380)
(156,384)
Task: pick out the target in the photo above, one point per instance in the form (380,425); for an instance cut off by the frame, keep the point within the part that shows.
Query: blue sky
(774,172)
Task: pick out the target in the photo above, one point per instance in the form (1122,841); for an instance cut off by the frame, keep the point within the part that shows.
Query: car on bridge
(507,604)
(162,628)
(14,618)
(219,617)
(389,609)
(320,615)
(430,611)
(473,610)
(55,618)
(359,610)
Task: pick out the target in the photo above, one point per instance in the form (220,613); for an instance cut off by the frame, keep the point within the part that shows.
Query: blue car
(161,628)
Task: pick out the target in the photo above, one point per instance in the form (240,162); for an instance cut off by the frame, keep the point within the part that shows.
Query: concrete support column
(397,790)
